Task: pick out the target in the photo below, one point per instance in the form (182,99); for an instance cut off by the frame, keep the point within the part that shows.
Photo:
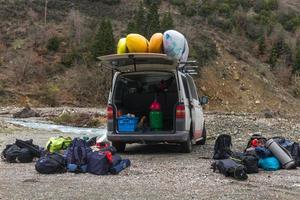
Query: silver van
(138,79)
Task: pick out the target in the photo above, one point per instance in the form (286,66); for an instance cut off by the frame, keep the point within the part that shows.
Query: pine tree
(167,22)
(104,41)
(297,61)
(153,24)
(131,28)
(140,20)
(261,45)
(273,57)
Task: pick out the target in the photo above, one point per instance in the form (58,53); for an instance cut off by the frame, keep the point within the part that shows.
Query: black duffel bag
(51,164)
(230,168)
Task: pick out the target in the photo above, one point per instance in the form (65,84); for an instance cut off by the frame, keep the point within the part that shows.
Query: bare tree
(45,14)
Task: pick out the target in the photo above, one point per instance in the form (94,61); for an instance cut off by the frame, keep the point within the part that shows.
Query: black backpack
(230,168)
(249,161)
(10,153)
(34,149)
(295,152)
(22,150)
(50,164)
(222,147)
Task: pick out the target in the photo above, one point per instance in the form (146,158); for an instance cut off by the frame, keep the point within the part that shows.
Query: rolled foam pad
(156,43)
(136,43)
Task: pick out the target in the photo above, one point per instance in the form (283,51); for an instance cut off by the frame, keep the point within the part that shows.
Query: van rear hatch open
(138,62)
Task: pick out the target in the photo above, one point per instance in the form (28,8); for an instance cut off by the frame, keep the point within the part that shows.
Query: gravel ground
(158,171)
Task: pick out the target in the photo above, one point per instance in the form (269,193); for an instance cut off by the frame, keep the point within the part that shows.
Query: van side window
(186,87)
(192,87)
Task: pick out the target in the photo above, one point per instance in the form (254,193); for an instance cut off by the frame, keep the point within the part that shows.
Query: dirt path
(158,171)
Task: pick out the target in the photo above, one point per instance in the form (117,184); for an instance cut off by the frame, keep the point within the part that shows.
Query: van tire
(187,146)
(202,142)
(120,146)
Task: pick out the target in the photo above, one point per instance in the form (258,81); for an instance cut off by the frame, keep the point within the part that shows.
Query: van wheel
(187,147)
(120,146)
(202,142)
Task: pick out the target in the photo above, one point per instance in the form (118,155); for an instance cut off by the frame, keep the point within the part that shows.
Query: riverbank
(158,171)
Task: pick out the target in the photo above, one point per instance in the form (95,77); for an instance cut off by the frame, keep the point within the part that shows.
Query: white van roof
(139,62)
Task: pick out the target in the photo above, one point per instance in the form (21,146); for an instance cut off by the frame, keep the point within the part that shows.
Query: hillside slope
(234,76)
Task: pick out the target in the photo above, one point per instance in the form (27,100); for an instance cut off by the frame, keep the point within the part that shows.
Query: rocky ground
(159,171)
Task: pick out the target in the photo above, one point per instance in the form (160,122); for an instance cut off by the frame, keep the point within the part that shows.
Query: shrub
(79,120)
(224,9)
(69,58)
(253,29)
(205,50)
(53,44)
(149,2)
(111,2)
(296,66)
(220,22)
(261,5)
(49,94)
(289,21)
(177,2)
(207,9)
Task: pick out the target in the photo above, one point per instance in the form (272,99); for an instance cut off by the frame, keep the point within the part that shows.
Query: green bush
(224,9)
(49,94)
(253,29)
(53,44)
(204,50)
(290,21)
(177,2)
(69,58)
(296,66)
(261,5)
(207,9)
(149,2)
(111,2)
(220,22)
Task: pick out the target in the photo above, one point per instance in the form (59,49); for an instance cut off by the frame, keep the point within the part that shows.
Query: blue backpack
(98,163)
(77,156)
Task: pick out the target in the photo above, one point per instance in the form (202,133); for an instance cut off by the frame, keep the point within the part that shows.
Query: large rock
(26,113)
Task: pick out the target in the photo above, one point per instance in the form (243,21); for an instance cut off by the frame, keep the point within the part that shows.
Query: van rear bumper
(178,136)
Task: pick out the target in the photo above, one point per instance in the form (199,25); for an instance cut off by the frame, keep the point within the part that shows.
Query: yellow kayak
(136,43)
(121,48)
(156,43)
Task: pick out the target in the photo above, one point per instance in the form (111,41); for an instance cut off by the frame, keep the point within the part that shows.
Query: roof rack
(190,67)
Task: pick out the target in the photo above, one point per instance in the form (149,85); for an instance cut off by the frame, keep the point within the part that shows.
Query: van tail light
(109,112)
(180,112)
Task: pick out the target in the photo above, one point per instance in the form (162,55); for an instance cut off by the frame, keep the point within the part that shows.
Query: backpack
(249,161)
(222,147)
(77,156)
(98,163)
(230,168)
(34,149)
(295,152)
(10,153)
(50,164)
(56,144)
(25,156)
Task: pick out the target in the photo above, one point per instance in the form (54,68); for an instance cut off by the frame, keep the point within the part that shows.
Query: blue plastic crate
(127,124)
